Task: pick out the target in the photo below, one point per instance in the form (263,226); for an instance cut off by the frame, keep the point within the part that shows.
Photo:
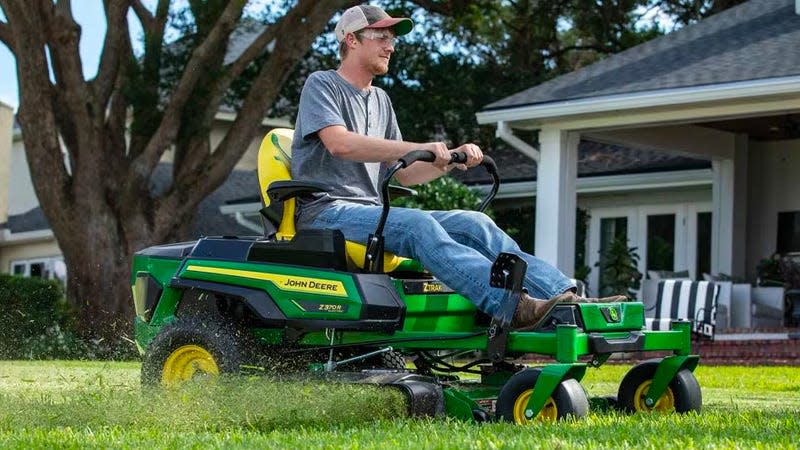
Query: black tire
(568,399)
(192,347)
(391,360)
(683,392)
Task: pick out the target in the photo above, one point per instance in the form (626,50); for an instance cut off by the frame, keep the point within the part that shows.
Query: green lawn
(100,405)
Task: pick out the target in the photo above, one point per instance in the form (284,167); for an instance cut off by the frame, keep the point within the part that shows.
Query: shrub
(445,193)
(34,320)
(619,269)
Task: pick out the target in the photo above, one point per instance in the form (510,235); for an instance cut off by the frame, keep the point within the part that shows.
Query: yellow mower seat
(274,157)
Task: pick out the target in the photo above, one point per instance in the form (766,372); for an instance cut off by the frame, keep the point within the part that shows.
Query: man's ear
(351,39)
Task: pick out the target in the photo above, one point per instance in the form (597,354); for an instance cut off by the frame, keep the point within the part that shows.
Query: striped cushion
(692,300)
(657,324)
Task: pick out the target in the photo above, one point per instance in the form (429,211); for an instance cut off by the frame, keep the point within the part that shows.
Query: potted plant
(619,272)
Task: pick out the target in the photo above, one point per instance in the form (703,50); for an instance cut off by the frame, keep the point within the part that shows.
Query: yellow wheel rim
(666,403)
(549,412)
(186,363)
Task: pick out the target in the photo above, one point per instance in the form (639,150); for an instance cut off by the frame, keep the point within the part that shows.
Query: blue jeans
(458,247)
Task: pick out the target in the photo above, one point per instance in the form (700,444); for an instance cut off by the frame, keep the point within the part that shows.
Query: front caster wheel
(682,394)
(568,399)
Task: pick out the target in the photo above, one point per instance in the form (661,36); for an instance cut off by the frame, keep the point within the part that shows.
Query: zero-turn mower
(307,301)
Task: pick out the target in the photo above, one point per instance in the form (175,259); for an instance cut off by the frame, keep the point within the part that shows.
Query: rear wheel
(682,394)
(390,360)
(568,399)
(191,348)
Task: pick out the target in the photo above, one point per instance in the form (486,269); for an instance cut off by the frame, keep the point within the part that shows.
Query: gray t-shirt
(328,99)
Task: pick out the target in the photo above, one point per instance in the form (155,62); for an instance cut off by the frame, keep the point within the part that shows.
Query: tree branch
(63,39)
(446,8)
(117,32)
(6,37)
(564,50)
(146,113)
(256,48)
(143,14)
(36,110)
(168,128)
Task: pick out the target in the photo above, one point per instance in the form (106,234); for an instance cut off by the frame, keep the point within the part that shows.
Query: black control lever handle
(455,158)
(417,155)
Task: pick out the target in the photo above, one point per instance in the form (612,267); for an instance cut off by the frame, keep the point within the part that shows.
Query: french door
(670,237)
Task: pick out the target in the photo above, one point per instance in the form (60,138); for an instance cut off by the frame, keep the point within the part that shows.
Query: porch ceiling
(767,128)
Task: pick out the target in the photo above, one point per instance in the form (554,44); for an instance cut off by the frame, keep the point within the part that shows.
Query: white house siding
(21,195)
(25,251)
(250,158)
(774,186)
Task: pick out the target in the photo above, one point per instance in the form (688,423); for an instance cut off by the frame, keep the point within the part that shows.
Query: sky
(89,14)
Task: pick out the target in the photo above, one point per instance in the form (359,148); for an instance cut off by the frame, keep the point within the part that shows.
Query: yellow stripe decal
(282,282)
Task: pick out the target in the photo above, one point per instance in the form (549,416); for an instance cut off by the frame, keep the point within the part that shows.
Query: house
(725,90)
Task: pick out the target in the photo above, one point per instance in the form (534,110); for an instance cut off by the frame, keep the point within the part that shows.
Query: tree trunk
(98,286)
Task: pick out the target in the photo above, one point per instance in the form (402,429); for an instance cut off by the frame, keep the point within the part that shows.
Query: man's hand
(474,155)
(442,154)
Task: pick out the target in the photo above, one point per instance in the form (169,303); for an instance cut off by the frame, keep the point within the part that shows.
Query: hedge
(34,320)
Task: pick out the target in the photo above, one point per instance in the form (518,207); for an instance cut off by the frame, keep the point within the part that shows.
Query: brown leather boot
(531,312)
(571,297)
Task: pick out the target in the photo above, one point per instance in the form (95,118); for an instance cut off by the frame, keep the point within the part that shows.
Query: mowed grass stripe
(100,405)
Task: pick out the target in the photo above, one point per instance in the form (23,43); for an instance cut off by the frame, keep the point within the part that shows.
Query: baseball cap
(367,16)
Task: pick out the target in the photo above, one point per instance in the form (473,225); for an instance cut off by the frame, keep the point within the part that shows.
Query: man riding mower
(308,301)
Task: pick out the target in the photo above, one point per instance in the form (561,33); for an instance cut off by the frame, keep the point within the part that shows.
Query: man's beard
(379,68)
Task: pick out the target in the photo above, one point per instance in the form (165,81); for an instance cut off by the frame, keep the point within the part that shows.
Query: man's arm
(423,173)
(353,146)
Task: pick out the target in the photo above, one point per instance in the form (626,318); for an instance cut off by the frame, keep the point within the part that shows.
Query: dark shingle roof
(210,221)
(594,159)
(31,220)
(755,40)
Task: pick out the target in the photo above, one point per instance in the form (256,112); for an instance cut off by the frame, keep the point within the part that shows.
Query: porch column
(729,211)
(556,198)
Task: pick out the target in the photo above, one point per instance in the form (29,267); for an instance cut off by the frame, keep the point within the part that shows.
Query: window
(788,232)
(610,228)
(661,242)
(18,269)
(50,268)
(703,263)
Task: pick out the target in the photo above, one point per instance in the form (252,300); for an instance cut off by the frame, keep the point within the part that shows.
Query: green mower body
(259,287)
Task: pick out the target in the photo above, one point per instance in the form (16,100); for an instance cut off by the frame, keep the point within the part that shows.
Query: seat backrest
(274,164)
(692,300)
